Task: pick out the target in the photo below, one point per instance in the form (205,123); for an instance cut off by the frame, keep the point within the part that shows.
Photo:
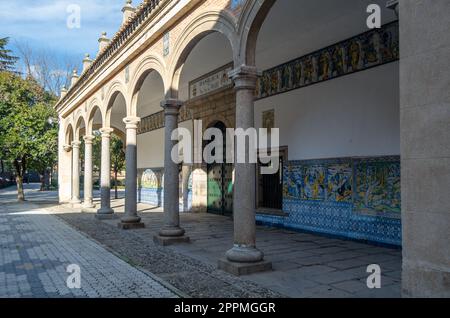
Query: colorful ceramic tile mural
(372,48)
(373,184)
(354,189)
(339,183)
(377,186)
(292,182)
(149,180)
(314,183)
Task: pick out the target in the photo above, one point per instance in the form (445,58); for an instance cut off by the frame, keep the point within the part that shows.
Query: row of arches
(122,104)
(239,34)
(154,80)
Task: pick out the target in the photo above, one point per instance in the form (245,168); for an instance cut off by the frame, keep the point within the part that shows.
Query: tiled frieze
(156,120)
(361,52)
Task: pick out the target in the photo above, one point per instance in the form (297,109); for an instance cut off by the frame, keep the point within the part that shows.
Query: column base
(171,231)
(244,254)
(130,222)
(88,207)
(170,240)
(105,214)
(130,226)
(75,203)
(240,269)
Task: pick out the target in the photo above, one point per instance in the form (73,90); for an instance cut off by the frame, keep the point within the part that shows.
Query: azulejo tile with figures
(353,197)
(361,52)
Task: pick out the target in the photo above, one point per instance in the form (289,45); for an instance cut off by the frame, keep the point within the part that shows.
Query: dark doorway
(270,188)
(220,183)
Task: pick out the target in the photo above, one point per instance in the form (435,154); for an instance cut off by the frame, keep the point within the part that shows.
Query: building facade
(343,96)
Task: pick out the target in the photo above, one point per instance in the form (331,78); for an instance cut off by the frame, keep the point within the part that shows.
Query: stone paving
(36,248)
(305,265)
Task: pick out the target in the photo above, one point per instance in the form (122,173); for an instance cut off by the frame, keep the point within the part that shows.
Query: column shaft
(131,219)
(76,172)
(105,174)
(88,196)
(171,226)
(244,249)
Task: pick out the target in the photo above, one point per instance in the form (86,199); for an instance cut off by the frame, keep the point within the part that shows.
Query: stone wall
(425,143)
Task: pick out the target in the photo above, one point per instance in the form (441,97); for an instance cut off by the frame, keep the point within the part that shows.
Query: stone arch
(117,88)
(79,121)
(252,18)
(93,107)
(69,133)
(219,118)
(202,25)
(151,63)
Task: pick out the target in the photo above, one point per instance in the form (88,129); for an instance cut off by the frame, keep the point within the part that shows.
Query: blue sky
(42,24)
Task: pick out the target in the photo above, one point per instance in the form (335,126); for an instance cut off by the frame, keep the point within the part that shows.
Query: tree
(51,71)
(27,137)
(44,154)
(7,61)
(117,158)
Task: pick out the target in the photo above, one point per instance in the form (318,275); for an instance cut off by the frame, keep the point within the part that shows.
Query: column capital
(88,139)
(76,144)
(131,122)
(67,148)
(244,77)
(171,106)
(106,131)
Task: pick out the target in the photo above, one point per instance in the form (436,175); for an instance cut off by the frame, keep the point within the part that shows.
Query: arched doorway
(220,181)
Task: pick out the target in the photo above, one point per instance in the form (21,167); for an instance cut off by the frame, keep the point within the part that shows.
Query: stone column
(105,211)
(75,173)
(244,257)
(131,220)
(88,197)
(171,232)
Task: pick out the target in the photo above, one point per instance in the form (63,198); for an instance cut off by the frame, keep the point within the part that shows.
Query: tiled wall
(151,189)
(356,198)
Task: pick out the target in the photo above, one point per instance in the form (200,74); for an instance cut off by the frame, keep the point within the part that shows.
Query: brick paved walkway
(36,248)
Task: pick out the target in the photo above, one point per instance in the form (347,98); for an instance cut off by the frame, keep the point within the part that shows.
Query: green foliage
(117,159)
(7,61)
(117,154)
(28,136)
(96,150)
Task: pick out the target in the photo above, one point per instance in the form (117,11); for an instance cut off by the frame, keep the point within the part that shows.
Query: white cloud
(43,23)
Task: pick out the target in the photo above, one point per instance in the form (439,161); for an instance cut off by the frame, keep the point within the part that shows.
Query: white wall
(294,28)
(150,147)
(212,52)
(354,115)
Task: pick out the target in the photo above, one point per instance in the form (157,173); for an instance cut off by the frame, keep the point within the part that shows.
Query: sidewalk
(37,248)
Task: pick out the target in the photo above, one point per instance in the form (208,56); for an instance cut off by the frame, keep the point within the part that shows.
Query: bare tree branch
(51,72)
